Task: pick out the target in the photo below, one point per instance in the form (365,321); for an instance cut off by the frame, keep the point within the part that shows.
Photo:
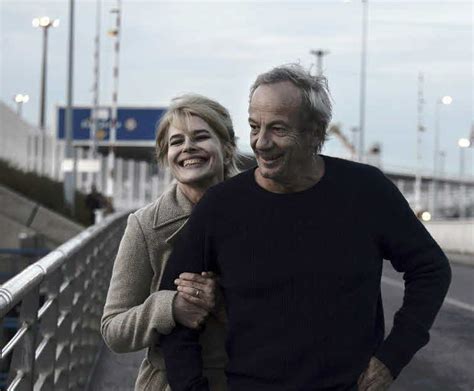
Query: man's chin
(269,173)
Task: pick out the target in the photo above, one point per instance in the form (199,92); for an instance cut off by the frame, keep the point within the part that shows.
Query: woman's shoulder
(169,206)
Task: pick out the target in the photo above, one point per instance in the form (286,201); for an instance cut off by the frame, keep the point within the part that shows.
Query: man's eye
(253,128)
(279,129)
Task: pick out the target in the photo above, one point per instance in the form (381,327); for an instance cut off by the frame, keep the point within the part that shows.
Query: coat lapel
(171,213)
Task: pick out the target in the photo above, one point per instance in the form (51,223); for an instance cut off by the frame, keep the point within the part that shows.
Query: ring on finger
(197,292)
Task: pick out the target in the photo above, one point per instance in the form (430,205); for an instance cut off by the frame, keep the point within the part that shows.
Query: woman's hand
(188,314)
(198,295)
(200,289)
(376,377)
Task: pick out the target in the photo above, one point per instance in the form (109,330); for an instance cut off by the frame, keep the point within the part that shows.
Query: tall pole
(319,60)
(69,176)
(445,100)
(113,111)
(43,80)
(363,68)
(95,108)
(419,130)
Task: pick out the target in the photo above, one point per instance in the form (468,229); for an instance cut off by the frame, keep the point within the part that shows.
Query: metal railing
(59,301)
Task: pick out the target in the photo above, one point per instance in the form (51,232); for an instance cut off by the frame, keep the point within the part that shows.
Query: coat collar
(173,207)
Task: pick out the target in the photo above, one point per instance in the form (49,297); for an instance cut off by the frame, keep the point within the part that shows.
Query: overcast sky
(218,48)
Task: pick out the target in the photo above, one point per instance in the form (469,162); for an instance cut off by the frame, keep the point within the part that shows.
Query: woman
(196,139)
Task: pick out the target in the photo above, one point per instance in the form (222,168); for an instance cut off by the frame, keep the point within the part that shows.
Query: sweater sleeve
(133,318)
(410,248)
(181,348)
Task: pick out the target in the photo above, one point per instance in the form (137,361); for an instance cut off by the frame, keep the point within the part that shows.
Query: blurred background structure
(107,72)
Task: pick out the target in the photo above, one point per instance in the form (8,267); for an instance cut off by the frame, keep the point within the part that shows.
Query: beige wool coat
(136,312)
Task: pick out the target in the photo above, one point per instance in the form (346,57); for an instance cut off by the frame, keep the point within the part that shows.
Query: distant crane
(335,129)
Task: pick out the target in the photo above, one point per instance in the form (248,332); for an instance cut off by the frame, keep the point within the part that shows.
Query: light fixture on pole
(445,100)
(44,23)
(463,143)
(19,100)
(319,60)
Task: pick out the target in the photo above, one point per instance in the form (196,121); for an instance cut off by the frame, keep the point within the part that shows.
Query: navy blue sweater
(301,275)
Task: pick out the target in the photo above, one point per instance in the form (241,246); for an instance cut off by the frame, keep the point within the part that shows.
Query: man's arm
(181,348)
(407,244)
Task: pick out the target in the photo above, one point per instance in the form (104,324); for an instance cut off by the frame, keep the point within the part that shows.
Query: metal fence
(59,302)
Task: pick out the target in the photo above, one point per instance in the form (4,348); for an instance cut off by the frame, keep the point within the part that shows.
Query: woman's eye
(202,137)
(175,142)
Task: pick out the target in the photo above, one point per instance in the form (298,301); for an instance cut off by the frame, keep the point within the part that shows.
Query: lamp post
(463,143)
(445,100)
(319,60)
(363,83)
(363,70)
(19,100)
(44,23)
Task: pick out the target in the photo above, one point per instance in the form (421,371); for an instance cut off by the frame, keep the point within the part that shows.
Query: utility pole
(70,176)
(95,106)
(319,54)
(419,130)
(113,111)
(363,69)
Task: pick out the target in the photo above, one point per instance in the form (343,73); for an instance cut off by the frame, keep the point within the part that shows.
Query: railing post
(22,369)
(46,352)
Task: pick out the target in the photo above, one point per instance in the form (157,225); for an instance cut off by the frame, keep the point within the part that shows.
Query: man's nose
(264,140)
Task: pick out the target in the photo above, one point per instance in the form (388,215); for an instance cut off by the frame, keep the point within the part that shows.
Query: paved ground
(445,364)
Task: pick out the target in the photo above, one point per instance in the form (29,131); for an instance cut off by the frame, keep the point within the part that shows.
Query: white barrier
(453,235)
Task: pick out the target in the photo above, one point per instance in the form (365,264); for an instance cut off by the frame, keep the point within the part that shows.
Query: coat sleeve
(192,253)
(410,248)
(133,318)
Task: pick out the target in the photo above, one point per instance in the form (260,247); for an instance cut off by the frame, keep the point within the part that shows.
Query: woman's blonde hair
(215,115)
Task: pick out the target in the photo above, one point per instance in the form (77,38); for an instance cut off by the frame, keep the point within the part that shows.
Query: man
(299,243)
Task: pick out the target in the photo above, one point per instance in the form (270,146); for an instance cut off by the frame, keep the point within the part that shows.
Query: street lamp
(363,82)
(463,143)
(19,100)
(45,23)
(445,100)
(319,60)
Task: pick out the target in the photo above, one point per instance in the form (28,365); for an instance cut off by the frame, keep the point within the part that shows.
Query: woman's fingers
(192,280)
(207,304)
(193,277)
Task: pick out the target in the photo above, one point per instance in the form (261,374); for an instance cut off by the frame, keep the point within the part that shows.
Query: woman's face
(195,155)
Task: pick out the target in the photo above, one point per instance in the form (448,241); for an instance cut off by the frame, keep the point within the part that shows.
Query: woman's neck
(193,193)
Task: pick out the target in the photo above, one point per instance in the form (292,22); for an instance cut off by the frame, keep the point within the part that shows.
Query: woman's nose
(189,144)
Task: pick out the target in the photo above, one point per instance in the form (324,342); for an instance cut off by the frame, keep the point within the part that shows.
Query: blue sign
(133,124)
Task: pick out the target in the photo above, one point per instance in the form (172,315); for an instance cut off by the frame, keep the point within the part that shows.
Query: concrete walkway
(116,372)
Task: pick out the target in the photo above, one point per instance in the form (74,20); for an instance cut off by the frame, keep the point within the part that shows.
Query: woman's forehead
(187,124)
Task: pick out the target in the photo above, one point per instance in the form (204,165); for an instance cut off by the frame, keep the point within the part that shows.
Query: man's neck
(308,178)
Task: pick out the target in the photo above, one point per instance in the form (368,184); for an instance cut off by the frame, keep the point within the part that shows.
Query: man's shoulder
(238,182)
(353,171)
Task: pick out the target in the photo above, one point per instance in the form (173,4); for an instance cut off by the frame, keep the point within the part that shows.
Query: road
(447,362)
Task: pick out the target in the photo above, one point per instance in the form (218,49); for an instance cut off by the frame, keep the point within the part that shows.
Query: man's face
(282,146)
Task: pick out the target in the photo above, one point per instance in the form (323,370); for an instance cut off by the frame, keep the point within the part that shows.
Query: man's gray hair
(317,107)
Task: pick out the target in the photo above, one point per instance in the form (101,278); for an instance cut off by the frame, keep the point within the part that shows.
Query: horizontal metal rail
(58,302)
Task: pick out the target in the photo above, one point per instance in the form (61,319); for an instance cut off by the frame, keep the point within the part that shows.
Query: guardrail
(60,300)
